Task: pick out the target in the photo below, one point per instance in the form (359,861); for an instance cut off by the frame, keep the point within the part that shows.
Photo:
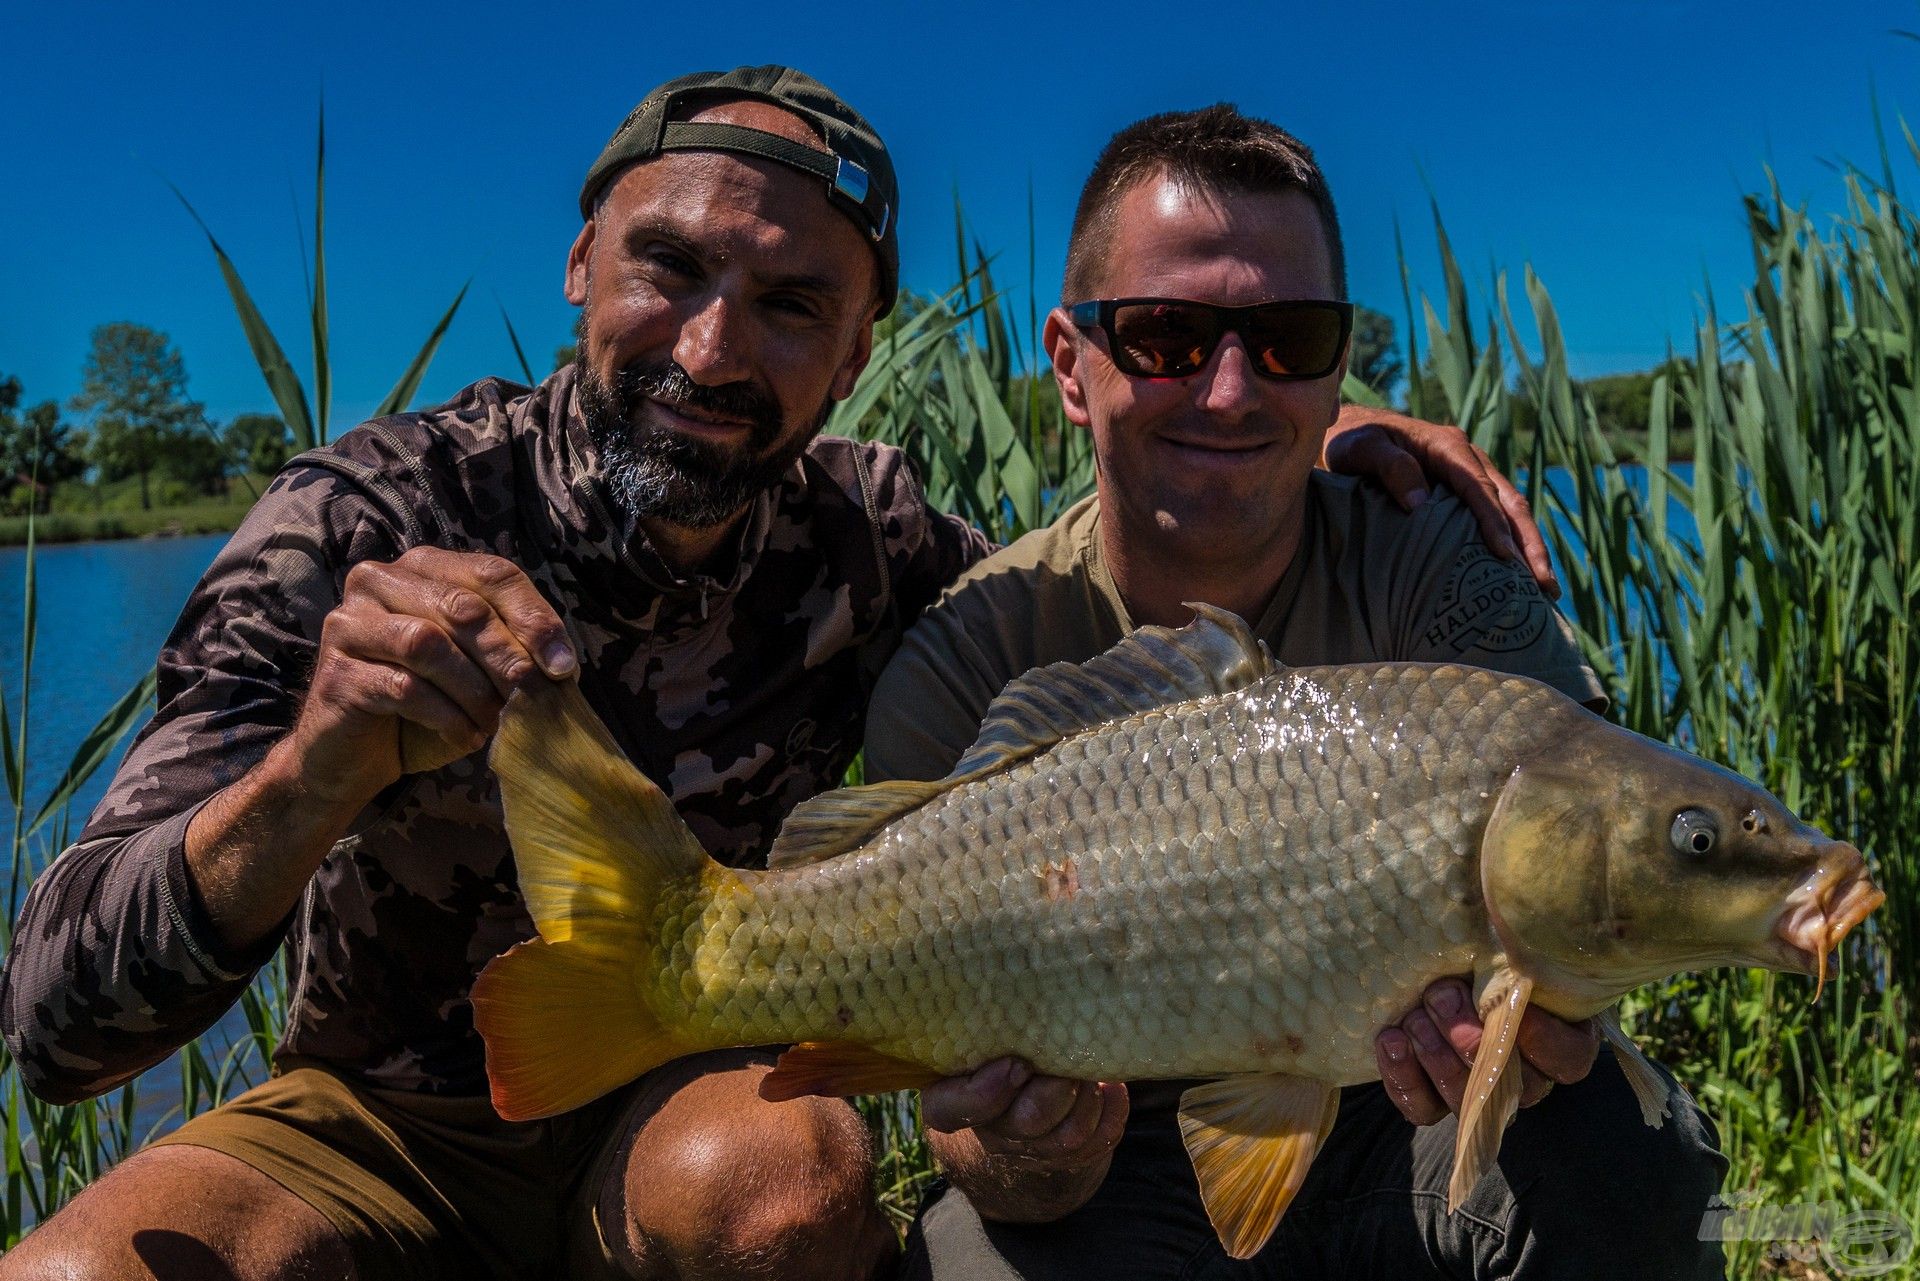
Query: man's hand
(1406,456)
(1024,1147)
(415,664)
(1425,1060)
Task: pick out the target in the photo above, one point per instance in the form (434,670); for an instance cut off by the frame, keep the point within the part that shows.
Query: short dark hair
(1213,149)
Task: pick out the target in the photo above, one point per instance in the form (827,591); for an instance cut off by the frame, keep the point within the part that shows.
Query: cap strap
(706,136)
(844,178)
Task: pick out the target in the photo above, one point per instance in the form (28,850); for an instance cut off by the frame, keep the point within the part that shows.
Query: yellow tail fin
(596,844)
(564,1025)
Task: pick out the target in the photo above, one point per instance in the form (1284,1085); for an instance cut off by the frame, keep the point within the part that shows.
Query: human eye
(797,306)
(670,259)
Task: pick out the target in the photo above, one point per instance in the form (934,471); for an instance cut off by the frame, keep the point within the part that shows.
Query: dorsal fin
(1155,666)
(1214,654)
(834,822)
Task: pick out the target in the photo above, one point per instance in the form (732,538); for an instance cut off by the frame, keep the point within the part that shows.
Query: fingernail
(1018,1074)
(1415,497)
(559,659)
(1395,1045)
(1445,1000)
(1506,549)
(1424,1032)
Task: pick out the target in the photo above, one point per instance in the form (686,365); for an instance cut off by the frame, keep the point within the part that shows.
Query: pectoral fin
(1649,1087)
(839,1069)
(1493,1087)
(1251,1139)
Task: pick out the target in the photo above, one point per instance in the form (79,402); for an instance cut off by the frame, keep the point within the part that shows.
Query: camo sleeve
(113,965)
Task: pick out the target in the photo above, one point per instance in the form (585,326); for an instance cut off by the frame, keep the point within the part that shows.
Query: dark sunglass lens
(1295,342)
(1162,340)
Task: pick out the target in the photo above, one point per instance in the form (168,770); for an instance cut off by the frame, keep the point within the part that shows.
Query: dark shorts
(429,1187)
(1583,1188)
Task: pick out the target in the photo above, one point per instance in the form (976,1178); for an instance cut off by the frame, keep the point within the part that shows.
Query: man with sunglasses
(1202,342)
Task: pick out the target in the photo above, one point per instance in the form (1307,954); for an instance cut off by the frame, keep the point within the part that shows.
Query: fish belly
(1256,881)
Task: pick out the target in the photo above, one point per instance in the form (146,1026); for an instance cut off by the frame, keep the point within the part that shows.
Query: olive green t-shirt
(1370,583)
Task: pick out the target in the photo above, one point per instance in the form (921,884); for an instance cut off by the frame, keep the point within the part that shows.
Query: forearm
(252,848)
(110,971)
(1012,1189)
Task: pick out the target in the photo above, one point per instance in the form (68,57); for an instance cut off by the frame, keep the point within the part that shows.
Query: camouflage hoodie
(741,698)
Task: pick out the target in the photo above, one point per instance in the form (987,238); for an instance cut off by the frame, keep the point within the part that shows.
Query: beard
(653,472)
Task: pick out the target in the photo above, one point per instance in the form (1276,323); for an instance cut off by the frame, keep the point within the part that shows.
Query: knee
(789,1193)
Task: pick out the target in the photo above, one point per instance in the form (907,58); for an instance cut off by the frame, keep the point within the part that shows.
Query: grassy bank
(81,512)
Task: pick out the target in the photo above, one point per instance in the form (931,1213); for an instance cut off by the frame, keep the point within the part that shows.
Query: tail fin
(596,843)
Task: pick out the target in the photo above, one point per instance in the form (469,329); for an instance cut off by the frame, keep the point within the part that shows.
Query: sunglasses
(1173,338)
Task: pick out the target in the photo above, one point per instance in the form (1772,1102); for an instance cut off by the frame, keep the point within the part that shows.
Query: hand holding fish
(1426,1059)
(1176,860)
(1025,1147)
(416,662)
(414,666)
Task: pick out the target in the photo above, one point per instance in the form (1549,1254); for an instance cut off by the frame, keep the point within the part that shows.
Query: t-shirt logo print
(1486,604)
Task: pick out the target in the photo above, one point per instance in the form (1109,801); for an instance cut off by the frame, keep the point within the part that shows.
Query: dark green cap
(855,167)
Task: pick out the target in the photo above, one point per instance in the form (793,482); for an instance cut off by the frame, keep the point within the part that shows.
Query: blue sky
(1605,144)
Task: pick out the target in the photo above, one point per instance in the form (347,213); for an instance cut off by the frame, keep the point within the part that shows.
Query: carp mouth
(1838,896)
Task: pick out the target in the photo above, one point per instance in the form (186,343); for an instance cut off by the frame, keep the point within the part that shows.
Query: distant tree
(1624,402)
(135,385)
(35,446)
(197,459)
(259,443)
(1376,359)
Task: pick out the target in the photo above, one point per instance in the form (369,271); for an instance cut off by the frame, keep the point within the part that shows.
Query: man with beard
(661,523)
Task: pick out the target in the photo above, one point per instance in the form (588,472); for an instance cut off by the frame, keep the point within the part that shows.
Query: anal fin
(1493,1085)
(839,1069)
(1251,1139)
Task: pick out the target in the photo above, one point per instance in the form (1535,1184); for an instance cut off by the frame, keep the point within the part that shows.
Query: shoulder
(1026,584)
(1028,604)
(442,473)
(871,490)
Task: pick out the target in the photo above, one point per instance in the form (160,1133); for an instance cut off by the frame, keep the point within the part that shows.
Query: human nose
(711,347)
(1228,381)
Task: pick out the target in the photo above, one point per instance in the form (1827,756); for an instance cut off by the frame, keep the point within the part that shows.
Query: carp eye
(1693,833)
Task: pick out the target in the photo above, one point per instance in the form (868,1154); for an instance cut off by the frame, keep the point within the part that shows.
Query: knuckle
(494,571)
(463,607)
(400,685)
(361,577)
(416,640)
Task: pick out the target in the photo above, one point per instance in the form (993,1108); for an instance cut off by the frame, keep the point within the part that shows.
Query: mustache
(666,382)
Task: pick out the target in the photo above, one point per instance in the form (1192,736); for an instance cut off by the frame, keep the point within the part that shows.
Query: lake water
(104,610)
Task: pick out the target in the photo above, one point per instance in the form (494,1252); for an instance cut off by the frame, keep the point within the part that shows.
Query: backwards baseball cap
(855,167)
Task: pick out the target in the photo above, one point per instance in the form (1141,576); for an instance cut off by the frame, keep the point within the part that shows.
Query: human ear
(1062,341)
(577,257)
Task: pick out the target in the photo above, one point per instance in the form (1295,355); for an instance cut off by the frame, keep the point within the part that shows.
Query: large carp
(1176,860)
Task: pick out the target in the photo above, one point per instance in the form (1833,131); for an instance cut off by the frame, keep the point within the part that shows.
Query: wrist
(1013,1189)
(306,793)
